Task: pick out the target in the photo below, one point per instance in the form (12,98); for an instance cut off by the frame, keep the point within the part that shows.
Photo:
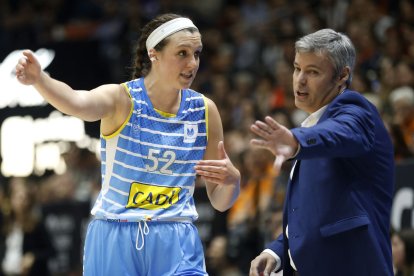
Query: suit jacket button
(311,141)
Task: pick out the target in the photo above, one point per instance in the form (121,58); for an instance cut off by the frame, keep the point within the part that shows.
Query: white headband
(167,29)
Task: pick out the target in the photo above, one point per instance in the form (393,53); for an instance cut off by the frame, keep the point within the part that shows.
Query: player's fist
(28,68)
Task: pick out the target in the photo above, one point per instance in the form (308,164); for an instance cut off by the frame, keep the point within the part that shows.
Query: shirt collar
(313,118)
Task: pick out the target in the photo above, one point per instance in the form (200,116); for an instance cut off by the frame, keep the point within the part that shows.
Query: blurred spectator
(247,217)
(263,95)
(66,219)
(83,168)
(333,12)
(402,103)
(210,222)
(401,150)
(282,95)
(309,21)
(16,25)
(404,74)
(27,245)
(219,263)
(247,47)
(403,252)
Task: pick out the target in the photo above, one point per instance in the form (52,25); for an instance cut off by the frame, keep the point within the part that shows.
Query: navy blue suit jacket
(339,200)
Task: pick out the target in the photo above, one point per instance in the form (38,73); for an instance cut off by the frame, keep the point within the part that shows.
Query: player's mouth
(187,76)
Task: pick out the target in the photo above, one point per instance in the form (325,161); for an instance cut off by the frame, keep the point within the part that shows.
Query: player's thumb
(221,150)
(29,55)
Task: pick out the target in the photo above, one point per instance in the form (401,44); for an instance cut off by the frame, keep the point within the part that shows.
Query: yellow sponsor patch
(152,197)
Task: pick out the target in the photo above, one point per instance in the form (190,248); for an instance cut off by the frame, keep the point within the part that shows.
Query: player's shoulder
(194,97)
(192,92)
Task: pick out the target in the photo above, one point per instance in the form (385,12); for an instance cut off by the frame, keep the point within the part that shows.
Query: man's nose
(302,77)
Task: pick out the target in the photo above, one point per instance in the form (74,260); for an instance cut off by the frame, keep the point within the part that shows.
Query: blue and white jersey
(148,164)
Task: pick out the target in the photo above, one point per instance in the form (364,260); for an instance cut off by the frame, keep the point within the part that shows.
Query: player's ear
(152,55)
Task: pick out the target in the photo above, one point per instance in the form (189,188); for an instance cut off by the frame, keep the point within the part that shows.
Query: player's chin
(186,82)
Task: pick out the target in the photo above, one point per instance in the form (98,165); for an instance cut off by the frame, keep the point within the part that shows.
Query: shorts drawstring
(143,232)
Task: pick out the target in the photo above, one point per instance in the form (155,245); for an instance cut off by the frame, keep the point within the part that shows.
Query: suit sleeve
(346,129)
(277,247)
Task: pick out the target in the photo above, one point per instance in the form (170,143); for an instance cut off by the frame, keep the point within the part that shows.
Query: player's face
(313,81)
(180,59)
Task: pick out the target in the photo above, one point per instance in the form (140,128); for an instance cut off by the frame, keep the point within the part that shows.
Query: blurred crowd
(246,68)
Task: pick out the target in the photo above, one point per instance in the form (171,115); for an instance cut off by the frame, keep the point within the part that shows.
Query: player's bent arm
(223,192)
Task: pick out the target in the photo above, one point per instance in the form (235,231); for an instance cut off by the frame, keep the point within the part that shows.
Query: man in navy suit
(336,215)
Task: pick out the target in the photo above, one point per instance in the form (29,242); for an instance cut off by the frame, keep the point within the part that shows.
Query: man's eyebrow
(311,66)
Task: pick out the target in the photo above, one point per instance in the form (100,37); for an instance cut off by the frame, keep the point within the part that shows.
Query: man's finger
(259,143)
(272,123)
(260,131)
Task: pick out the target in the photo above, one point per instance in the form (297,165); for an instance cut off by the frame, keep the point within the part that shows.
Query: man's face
(314,85)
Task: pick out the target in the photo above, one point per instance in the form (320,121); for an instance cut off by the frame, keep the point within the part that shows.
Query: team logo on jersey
(190,132)
(151,197)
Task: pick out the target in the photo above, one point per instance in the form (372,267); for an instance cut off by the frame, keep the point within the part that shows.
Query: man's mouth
(301,94)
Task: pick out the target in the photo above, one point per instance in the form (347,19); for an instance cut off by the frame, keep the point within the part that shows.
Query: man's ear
(345,75)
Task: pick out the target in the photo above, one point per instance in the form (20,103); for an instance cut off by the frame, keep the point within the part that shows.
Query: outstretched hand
(28,68)
(220,171)
(276,138)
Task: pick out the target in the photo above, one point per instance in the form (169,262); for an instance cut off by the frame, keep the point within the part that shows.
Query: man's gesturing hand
(276,138)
